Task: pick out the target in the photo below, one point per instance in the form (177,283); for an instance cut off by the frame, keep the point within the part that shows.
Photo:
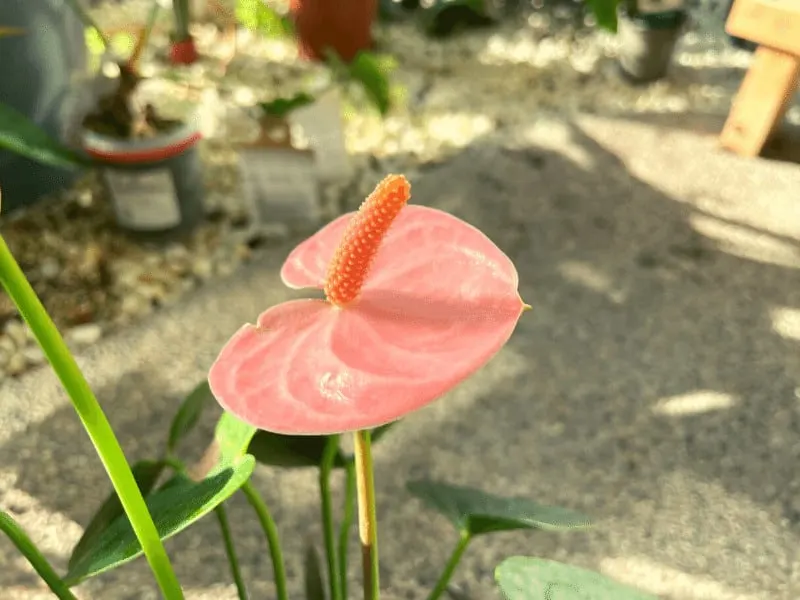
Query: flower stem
(94,421)
(29,550)
(347,523)
(230,550)
(334,577)
(367,517)
(271,532)
(451,565)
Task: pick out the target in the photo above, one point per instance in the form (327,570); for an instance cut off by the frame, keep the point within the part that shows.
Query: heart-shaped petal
(440,301)
(423,242)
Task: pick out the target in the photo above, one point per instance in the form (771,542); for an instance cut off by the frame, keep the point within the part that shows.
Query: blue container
(37,70)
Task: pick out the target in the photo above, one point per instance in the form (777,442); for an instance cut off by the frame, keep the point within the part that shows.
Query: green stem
(451,565)
(367,517)
(230,550)
(94,421)
(37,560)
(271,532)
(347,523)
(181,12)
(334,577)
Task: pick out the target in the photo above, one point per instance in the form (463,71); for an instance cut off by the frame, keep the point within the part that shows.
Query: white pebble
(84,335)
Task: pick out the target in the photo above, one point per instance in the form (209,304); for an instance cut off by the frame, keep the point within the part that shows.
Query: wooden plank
(761,101)
(773,23)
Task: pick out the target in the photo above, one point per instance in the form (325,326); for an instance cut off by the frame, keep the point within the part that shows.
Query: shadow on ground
(649,387)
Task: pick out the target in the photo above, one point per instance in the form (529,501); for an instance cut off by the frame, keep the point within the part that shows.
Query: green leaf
(188,414)
(372,74)
(232,437)
(523,578)
(605,11)
(290,451)
(174,508)
(379,432)
(177,504)
(258,17)
(476,512)
(20,135)
(280,107)
(312,575)
(297,451)
(94,41)
(146,473)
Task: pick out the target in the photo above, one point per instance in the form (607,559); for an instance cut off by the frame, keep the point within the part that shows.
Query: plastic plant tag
(321,123)
(144,200)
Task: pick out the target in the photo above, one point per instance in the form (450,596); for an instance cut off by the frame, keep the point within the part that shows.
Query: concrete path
(655,385)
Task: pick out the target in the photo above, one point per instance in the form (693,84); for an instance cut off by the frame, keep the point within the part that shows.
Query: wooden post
(772,79)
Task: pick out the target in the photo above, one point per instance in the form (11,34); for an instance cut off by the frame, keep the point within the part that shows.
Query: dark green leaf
(257,16)
(477,512)
(20,135)
(188,414)
(523,578)
(146,473)
(605,11)
(372,74)
(289,451)
(312,575)
(295,451)
(174,508)
(280,107)
(379,432)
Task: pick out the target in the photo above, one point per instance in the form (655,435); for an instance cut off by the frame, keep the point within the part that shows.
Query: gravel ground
(92,278)
(654,386)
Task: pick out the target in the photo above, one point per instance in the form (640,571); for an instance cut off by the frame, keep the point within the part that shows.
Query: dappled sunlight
(786,322)
(659,579)
(591,277)
(560,139)
(48,529)
(746,243)
(693,403)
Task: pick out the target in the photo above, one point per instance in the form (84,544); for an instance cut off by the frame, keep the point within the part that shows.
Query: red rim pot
(155,185)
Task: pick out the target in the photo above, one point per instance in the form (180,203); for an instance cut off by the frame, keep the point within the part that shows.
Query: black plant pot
(647,42)
(155,185)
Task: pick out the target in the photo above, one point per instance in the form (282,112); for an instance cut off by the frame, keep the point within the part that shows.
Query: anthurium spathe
(416,301)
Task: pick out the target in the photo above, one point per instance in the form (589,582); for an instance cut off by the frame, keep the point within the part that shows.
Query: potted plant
(344,26)
(150,165)
(648,31)
(278,179)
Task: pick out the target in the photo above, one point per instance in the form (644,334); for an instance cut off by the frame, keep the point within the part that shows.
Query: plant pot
(48,55)
(647,42)
(155,185)
(344,26)
(183,52)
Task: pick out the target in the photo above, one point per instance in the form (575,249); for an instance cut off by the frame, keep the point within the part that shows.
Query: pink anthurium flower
(417,300)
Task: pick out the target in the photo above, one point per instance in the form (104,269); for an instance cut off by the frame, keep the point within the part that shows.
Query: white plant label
(144,200)
(321,123)
(280,185)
